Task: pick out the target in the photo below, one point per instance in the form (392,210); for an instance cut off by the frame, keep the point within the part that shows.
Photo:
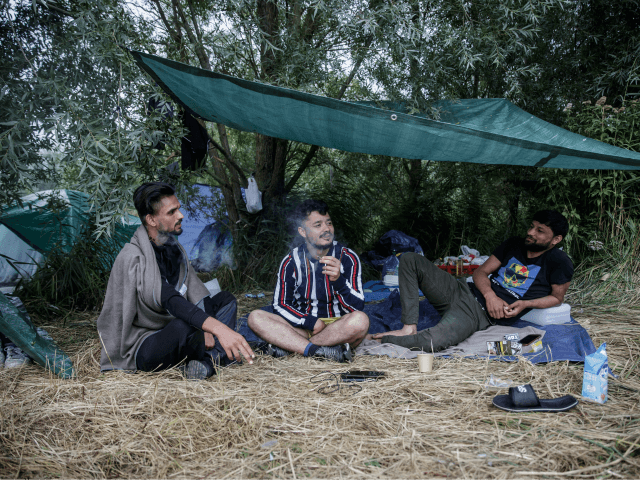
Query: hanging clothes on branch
(194,143)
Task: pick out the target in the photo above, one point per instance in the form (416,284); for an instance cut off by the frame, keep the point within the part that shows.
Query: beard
(535,247)
(168,237)
(328,238)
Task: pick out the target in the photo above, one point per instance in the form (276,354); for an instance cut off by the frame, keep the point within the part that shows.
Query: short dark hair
(148,195)
(304,209)
(554,220)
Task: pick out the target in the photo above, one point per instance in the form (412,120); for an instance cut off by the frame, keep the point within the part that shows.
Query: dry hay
(269,421)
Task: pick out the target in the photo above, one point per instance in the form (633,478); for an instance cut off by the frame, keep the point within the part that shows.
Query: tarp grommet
(394,117)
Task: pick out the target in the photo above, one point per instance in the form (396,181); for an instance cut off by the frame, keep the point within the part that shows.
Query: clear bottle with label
(391,266)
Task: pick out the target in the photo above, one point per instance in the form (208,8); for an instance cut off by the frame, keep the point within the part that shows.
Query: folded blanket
(475,345)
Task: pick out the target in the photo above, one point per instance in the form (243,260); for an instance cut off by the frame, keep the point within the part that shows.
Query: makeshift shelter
(489,131)
(45,220)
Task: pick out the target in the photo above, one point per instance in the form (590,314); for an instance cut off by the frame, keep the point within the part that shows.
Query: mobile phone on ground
(360,375)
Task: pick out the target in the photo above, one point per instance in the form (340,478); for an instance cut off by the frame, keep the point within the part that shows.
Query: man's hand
(406,330)
(496,306)
(515,308)
(331,267)
(209,341)
(234,344)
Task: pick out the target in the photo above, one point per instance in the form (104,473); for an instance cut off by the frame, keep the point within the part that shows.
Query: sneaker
(15,356)
(339,353)
(276,352)
(197,370)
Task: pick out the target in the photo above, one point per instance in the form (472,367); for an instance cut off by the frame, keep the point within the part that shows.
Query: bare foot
(406,330)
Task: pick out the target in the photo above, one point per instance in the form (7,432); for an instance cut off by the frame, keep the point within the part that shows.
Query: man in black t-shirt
(521,274)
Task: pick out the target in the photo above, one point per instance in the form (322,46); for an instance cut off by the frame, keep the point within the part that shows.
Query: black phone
(360,375)
(529,339)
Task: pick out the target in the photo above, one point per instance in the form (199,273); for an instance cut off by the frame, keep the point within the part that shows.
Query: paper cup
(425,362)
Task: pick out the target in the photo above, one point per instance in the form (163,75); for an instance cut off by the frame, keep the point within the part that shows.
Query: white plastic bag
(254,196)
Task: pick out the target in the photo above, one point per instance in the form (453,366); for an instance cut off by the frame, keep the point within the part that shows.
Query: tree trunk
(270,160)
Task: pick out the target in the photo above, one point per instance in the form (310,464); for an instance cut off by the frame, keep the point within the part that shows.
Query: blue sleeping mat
(569,341)
(561,342)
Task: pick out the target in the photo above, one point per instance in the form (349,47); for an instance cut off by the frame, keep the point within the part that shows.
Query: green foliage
(73,104)
(617,126)
(73,111)
(610,273)
(72,281)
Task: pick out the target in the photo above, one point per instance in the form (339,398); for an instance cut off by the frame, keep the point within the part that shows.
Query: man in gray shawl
(157,313)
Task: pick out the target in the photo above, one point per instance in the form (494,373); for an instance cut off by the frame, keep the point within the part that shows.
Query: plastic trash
(496,383)
(390,270)
(254,196)
(480,260)
(595,383)
(466,251)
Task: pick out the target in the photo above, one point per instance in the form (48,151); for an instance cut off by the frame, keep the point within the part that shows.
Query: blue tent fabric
(562,342)
(208,242)
(379,291)
(213,248)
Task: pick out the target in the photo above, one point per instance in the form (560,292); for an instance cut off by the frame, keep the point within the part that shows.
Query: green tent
(488,131)
(42,221)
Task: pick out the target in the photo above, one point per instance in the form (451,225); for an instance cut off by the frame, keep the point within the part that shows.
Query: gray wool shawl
(132,309)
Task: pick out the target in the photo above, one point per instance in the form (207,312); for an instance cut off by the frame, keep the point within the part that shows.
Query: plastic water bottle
(392,265)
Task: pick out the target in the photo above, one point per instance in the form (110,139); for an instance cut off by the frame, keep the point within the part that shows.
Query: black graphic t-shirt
(522,278)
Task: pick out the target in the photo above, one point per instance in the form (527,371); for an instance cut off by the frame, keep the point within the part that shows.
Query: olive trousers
(461,313)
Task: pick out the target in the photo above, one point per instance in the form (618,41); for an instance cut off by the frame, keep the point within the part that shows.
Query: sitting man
(522,273)
(157,313)
(318,297)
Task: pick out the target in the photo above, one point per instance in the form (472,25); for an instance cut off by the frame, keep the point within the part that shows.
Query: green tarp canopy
(489,131)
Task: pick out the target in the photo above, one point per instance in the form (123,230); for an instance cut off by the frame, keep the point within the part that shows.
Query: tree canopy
(74,109)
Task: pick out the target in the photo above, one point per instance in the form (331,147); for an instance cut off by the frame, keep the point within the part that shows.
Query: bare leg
(350,328)
(277,331)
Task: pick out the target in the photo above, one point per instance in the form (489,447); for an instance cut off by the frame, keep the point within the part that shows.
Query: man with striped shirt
(319,298)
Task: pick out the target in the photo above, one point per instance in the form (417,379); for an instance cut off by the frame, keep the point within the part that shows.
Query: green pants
(461,313)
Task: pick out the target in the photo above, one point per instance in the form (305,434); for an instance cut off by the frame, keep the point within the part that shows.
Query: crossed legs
(274,329)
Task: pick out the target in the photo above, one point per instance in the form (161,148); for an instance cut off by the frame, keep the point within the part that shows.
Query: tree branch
(195,22)
(314,148)
(303,166)
(197,46)
(167,24)
(229,161)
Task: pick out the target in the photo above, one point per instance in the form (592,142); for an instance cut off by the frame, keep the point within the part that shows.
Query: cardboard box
(596,371)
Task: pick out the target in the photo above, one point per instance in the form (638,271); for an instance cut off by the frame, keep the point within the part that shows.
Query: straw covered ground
(269,421)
